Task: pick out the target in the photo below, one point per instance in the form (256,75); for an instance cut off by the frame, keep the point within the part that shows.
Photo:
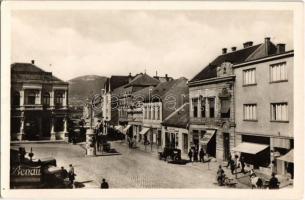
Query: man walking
(71,174)
(201,155)
(190,154)
(242,163)
(273,182)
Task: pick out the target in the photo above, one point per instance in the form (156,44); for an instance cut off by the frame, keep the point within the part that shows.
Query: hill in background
(82,87)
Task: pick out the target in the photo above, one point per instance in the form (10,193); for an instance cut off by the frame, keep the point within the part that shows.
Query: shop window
(279,111)
(278,72)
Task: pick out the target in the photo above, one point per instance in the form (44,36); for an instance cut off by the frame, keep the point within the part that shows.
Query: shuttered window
(250,112)
(278,72)
(279,111)
(249,76)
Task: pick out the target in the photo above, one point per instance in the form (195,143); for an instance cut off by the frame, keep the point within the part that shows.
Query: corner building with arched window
(39,104)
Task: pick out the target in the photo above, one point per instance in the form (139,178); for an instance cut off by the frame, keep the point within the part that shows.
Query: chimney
(224,50)
(33,62)
(280,48)
(233,48)
(267,44)
(248,44)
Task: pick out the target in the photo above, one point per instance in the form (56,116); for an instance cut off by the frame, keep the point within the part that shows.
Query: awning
(207,137)
(144,130)
(250,148)
(119,128)
(126,128)
(288,157)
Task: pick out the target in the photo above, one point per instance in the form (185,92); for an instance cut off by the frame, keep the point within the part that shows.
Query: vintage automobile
(170,154)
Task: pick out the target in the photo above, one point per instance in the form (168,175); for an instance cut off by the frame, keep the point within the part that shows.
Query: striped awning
(126,128)
(144,130)
(207,137)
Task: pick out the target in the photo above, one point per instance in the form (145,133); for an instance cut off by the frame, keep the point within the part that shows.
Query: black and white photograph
(110,97)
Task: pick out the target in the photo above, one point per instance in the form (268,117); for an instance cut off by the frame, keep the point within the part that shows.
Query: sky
(180,43)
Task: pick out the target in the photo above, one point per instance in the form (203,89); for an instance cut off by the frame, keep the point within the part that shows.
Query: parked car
(170,154)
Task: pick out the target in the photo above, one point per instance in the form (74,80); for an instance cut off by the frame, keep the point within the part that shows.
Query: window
(203,107)
(30,98)
(149,112)
(250,112)
(153,112)
(212,107)
(158,113)
(58,98)
(46,99)
(278,72)
(249,76)
(225,108)
(279,111)
(195,107)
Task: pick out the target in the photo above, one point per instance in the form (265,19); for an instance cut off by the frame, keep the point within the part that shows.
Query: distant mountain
(82,87)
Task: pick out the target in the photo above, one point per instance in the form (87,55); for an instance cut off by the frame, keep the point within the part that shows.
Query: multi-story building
(159,104)
(212,101)
(39,104)
(175,129)
(109,100)
(264,108)
(125,98)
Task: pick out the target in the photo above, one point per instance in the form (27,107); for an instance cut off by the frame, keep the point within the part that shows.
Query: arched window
(58,100)
(15,98)
(46,99)
(30,97)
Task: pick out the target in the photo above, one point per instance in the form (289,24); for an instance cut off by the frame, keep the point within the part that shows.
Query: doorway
(226,146)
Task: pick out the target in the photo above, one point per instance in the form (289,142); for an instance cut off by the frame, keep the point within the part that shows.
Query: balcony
(31,107)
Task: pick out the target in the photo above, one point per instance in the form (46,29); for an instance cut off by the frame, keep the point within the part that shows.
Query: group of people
(193,154)
(236,163)
(70,174)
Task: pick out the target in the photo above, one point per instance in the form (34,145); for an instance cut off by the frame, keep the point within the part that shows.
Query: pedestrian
(242,163)
(232,166)
(71,174)
(220,176)
(229,161)
(190,154)
(64,173)
(195,154)
(273,182)
(104,184)
(201,155)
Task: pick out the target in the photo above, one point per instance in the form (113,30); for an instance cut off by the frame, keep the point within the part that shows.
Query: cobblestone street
(133,168)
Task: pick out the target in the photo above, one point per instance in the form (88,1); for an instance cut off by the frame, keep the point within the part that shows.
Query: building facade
(175,133)
(39,104)
(264,108)
(212,103)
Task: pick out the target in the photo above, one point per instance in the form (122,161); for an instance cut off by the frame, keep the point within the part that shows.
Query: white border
(295,193)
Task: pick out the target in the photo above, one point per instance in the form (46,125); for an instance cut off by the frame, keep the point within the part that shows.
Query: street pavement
(131,168)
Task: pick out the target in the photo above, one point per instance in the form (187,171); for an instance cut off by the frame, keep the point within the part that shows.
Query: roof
(143,93)
(260,52)
(234,57)
(27,72)
(179,118)
(116,81)
(143,80)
